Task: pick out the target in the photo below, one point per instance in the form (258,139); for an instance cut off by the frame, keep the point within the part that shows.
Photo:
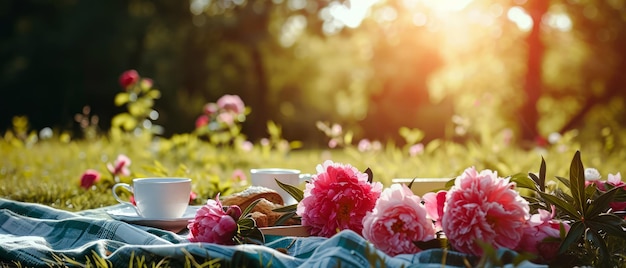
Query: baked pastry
(262,213)
(244,198)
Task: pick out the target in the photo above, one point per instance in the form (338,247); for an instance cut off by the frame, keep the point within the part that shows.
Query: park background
(452,68)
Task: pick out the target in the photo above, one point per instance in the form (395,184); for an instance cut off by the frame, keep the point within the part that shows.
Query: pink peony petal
(337,198)
(483,207)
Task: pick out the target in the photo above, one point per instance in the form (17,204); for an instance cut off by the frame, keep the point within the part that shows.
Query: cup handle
(305,177)
(128,188)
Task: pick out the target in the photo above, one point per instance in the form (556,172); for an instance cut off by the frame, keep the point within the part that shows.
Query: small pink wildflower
(89,178)
(129,78)
(239,175)
(364,145)
(231,103)
(120,166)
(202,121)
(416,149)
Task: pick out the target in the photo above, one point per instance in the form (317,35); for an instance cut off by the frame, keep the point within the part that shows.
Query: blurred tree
(601,27)
(373,65)
(533,84)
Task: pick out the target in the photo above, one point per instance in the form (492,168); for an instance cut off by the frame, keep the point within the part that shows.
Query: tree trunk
(260,117)
(533,83)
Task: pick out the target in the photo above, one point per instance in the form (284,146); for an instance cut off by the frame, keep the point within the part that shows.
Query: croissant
(244,198)
(262,213)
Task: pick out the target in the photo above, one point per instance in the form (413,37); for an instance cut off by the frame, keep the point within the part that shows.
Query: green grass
(48,171)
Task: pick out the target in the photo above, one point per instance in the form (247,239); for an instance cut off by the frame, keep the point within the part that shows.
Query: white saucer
(128,214)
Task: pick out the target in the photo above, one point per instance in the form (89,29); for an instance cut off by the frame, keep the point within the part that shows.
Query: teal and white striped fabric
(35,235)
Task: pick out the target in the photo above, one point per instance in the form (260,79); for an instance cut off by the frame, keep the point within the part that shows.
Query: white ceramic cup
(265,177)
(159,198)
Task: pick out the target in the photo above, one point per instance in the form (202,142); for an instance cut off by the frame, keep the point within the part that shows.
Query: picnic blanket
(34,235)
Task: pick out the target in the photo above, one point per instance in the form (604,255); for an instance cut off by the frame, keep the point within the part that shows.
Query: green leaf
(347,138)
(248,232)
(601,203)
(594,238)
(577,183)
(125,121)
(523,181)
(564,181)
(288,208)
(608,223)
(154,94)
(590,191)
(411,136)
(370,175)
(121,98)
(433,243)
(250,207)
(137,108)
(534,177)
(295,192)
(542,175)
(562,205)
(564,196)
(620,196)
(285,217)
(273,129)
(411,183)
(246,223)
(450,183)
(573,236)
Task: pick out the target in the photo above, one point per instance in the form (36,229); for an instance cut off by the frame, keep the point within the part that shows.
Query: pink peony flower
(120,166)
(231,103)
(129,78)
(434,203)
(214,225)
(337,198)
(398,219)
(541,226)
(483,207)
(616,181)
(89,178)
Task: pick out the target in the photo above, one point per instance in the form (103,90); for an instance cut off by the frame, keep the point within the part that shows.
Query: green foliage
(587,210)
(139,100)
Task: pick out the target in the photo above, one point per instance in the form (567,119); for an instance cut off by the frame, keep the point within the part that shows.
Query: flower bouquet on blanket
(571,222)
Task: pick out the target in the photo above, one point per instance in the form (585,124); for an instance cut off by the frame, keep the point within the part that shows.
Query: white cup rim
(274,171)
(163,180)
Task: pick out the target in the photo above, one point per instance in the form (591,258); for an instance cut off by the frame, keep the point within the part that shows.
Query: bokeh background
(453,68)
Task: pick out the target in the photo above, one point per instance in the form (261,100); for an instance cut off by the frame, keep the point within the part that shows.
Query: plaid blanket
(33,235)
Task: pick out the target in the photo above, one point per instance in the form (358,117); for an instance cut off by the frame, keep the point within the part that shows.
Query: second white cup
(265,177)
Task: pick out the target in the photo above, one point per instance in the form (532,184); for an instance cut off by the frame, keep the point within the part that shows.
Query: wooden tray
(292,230)
(423,185)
